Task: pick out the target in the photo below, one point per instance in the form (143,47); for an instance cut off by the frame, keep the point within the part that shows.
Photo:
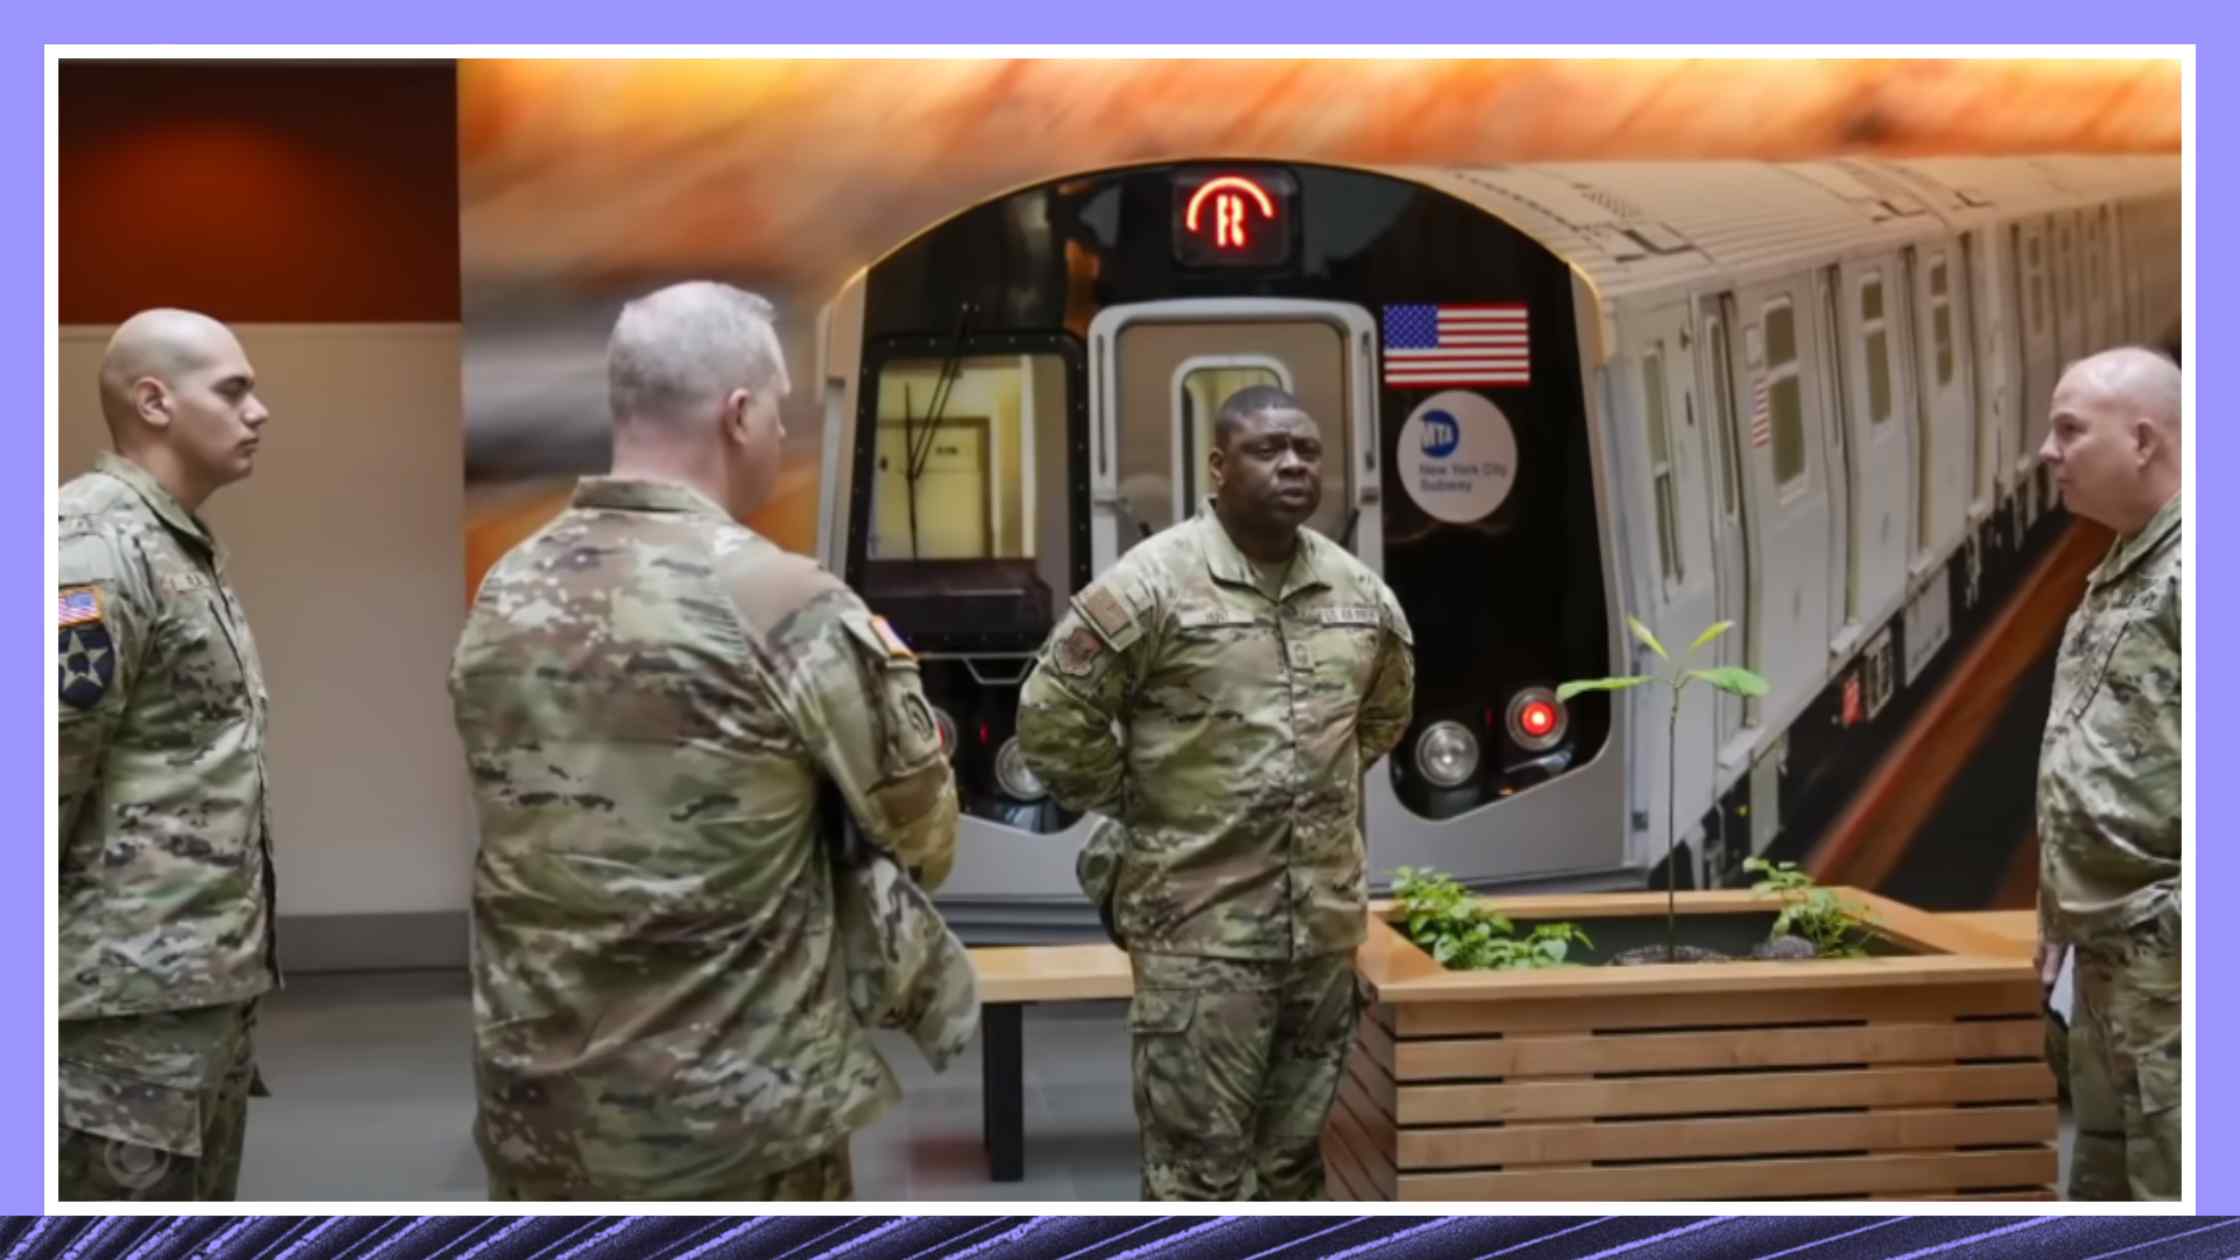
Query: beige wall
(346,548)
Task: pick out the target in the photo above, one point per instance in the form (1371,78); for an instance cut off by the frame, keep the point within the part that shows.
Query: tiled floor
(372,1101)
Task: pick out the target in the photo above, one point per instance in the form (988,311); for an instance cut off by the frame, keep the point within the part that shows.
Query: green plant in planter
(1732,679)
(1836,928)
(1440,916)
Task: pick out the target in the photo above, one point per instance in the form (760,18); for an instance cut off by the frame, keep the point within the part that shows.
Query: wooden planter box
(1914,1076)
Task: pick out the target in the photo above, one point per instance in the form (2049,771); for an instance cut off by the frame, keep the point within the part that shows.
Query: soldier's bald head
(162,345)
(2115,441)
(2139,382)
(676,353)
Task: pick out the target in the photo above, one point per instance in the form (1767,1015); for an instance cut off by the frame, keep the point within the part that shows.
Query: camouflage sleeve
(863,717)
(1390,703)
(104,607)
(1074,701)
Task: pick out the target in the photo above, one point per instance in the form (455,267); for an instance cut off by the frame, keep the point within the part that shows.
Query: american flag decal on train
(1761,414)
(1457,345)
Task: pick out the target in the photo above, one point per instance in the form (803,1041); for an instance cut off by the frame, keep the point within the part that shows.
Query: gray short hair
(687,345)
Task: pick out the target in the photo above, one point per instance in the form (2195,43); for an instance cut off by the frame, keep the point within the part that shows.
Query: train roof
(1638,226)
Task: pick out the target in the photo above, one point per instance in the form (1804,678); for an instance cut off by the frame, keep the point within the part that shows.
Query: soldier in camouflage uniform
(1220,693)
(2108,779)
(165,931)
(651,697)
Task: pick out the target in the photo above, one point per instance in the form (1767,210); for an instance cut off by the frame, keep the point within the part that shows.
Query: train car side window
(1660,462)
(1784,396)
(1940,319)
(2064,301)
(1722,393)
(2037,269)
(1876,333)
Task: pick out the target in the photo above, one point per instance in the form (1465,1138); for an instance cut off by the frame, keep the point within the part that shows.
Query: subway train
(1802,397)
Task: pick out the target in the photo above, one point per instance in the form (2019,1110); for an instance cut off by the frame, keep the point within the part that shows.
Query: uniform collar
(2125,554)
(159,500)
(630,495)
(1309,567)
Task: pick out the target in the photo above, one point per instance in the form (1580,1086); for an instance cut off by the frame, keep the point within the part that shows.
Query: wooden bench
(1012,977)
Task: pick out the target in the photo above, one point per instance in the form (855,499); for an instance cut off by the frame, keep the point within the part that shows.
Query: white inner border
(55,53)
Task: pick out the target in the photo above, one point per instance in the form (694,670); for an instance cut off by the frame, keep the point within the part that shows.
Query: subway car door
(1670,511)
(1161,371)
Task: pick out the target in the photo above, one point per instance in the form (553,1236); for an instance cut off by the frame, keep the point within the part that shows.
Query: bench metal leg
(1003,1090)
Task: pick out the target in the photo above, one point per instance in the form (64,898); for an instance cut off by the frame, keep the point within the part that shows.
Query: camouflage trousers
(1236,1065)
(2125,1064)
(828,1178)
(156,1107)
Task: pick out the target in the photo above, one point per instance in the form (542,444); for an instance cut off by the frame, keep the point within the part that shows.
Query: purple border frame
(23,925)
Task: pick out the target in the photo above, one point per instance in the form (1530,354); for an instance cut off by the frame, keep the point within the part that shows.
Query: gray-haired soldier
(651,696)
(1255,671)
(2109,776)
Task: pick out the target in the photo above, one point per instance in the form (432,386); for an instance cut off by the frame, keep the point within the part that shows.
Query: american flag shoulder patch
(78,605)
(890,640)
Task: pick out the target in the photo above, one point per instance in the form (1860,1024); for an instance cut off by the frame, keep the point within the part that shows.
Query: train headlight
(1014,776)
(1537,720)
(947,726)
(1447,753)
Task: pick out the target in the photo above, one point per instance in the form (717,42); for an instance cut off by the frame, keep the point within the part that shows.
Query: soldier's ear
(1213,466)
(2146,440)
(738,412)
(151,400)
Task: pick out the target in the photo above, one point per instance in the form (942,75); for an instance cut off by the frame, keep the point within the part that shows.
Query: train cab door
(1676,588)
(1159,374)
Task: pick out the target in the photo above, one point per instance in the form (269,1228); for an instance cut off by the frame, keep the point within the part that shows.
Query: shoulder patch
(1110,616)
(1077,652)
(875,636)
(78,605)
(85,664)
(890,640)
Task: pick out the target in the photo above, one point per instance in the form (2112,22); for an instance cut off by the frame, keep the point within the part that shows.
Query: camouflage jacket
(1227,733)
(166,882)
(2109,824)
(651,697)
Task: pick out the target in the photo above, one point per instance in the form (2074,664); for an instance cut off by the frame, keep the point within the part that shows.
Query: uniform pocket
(1175,1093)
(127,1109)
(2095,655)
(1162,1011)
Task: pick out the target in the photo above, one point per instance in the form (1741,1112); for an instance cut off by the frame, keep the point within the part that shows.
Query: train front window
(969,519)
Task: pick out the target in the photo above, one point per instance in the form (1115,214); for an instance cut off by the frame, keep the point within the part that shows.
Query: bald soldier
(1220,693)
(651,696)
(164,939)
(2109,825)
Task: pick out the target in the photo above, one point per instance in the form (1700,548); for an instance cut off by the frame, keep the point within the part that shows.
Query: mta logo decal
(1441,435)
